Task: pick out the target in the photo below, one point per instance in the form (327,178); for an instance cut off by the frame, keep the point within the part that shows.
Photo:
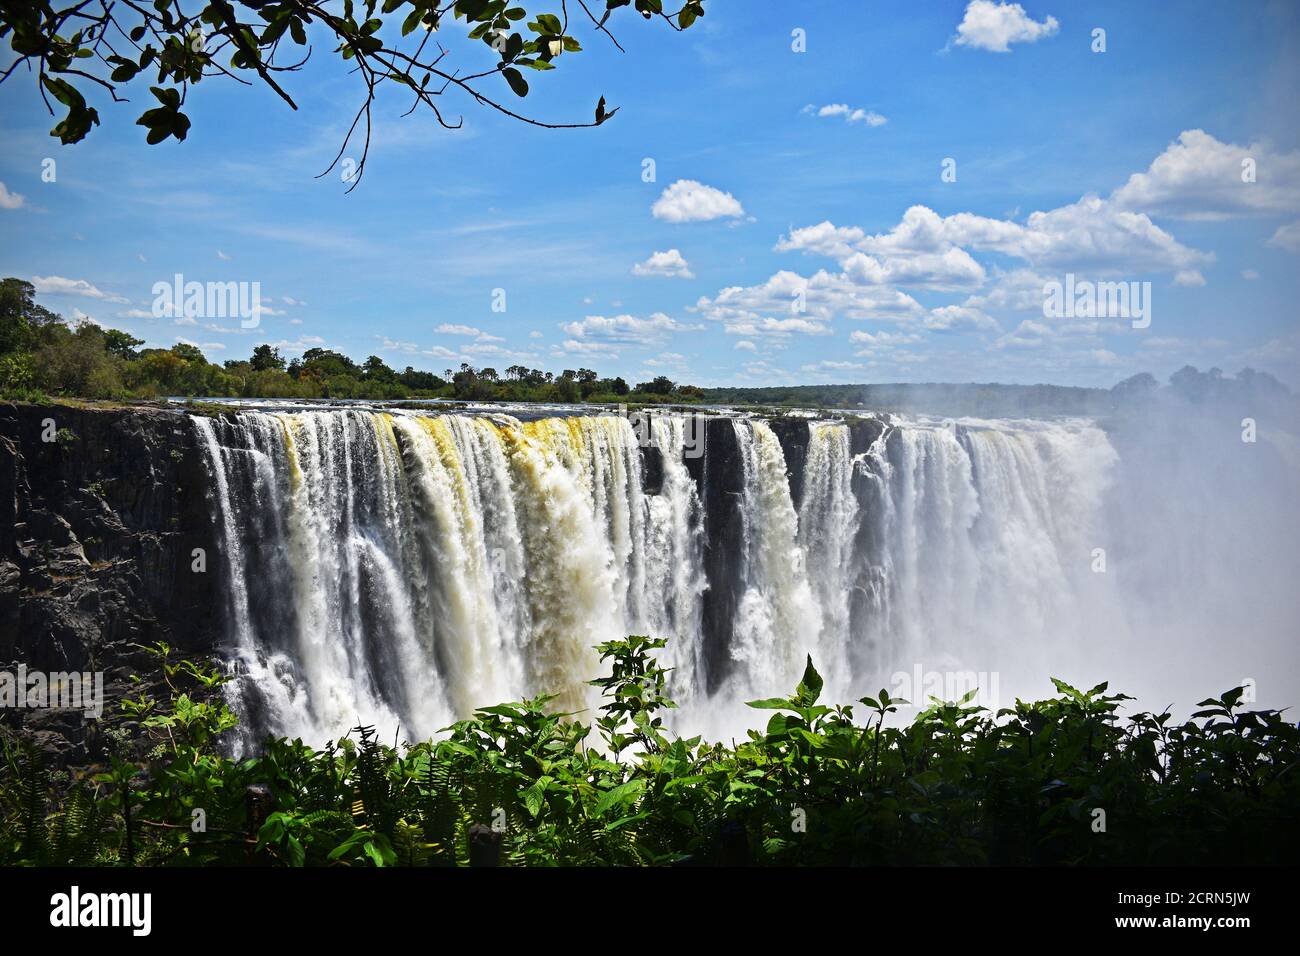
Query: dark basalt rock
(652,470)
(793,434)
(97,530)
(720,482)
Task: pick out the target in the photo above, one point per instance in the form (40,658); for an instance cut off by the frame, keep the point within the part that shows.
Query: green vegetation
(817,786)
(41,355)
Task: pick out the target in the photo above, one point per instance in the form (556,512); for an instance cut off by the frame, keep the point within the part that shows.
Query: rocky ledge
(101,509)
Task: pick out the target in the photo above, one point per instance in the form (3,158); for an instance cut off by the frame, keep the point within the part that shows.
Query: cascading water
(401,569)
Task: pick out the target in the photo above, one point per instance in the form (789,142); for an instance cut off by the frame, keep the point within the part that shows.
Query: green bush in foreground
(518,784)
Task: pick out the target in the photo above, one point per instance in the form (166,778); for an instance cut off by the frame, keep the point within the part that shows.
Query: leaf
(548,23)
(771,703)
(623,793)
(810,688)
(535,795)
(516,81)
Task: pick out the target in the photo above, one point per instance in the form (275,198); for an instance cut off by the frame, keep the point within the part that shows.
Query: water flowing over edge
(401,569)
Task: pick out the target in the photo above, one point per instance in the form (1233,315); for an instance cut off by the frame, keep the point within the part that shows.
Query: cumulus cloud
(584,348)
(869,117)
(204,346)
(777,328)
(948,317)
(626,329)
(58,285)
(448,328)
(493,351)
(1199,177)
(689,201)
(877,339)
(10,200)
(995,26)
(788,303)
(438,351)
(1287,237)
(669,264)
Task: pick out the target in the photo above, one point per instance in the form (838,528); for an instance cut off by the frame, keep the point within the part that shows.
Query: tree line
(42,355)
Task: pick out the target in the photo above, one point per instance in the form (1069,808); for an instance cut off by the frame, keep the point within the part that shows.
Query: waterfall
(778,615)
(401,569)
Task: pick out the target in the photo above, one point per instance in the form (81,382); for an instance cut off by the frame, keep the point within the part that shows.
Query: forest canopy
(43,355)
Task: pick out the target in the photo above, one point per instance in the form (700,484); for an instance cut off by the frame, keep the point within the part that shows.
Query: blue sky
(779,175)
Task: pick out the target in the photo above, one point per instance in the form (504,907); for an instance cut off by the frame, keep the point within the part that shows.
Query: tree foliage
(817,785)
(42,355)
(170,46)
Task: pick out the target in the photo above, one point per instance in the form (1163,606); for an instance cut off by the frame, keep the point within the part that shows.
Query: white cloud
(490,350)
(185,320)
(951,269)
(1091,234)
(222,256)
(1287,237)
(777,328)
(833,367)
(1190,278)
(437,351)
(299,345)
(689,201)
(206,346)
(1199,177)
(574,347)
(1027,335)
(995,26)
(1250,275)
(448,328)
(670,264)
(534,334)
(666,360)
(227,330)
(746,345)
(948,317)
(869,117)
(58,285)
(746,310)
(875,339)
(10,200)
(626,329)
